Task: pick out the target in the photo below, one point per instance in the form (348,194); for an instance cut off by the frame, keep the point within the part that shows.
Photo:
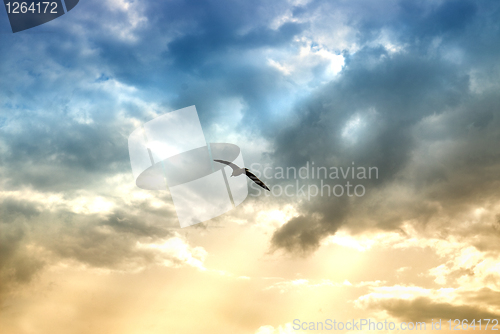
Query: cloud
(302,235)
(129,238)
(483,296)
(425,309)
(412,303)
(175,252)
(18,264)
(423,127)
(286,329)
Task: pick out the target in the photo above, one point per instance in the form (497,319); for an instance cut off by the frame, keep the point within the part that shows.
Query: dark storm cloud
(401,89)
(53,154)
(391,99)
(16,263)
(420,122)
(190,52)
(31,237)
(483,296)
(11,209)
(425,309)
(302,234)
(86,241)
(420,20)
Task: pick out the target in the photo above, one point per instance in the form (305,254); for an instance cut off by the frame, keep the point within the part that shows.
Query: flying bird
(238,171)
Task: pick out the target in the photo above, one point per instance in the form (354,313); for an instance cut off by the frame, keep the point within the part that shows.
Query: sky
(409,89)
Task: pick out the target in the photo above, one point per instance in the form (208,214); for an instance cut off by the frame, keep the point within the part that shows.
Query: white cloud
(286,329)
(176,252)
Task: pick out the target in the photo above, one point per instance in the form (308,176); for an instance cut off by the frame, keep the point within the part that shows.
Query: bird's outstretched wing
(230,164)
(256,179)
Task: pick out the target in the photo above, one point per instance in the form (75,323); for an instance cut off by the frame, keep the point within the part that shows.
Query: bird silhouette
(238,171)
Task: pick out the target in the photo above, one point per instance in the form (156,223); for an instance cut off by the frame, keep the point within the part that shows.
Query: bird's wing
(230,164)
(256,179)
